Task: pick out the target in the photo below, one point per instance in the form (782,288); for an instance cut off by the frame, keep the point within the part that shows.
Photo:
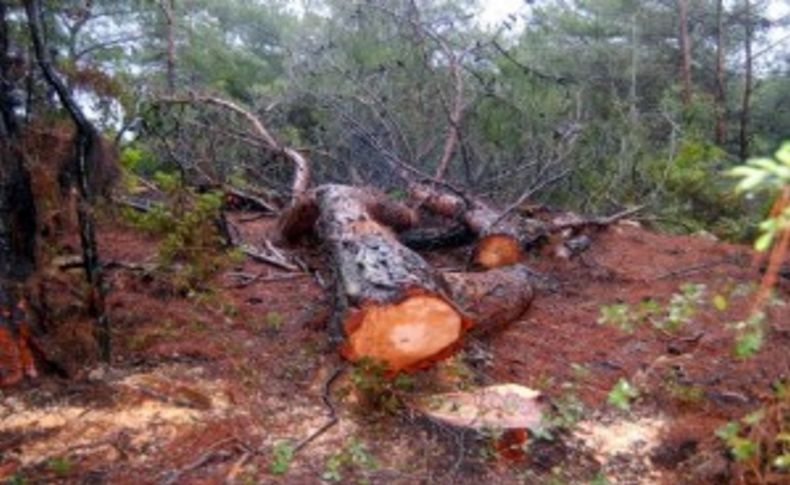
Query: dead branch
(326,397)
(302,174)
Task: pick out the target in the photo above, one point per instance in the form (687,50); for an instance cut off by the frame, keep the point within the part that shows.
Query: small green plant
(377,389)
(749,335)
(679,311)
(60,466)
(682,307)
(353,457)
(274,320)
(622,394)
(17,479)
(282,456)
(760,441)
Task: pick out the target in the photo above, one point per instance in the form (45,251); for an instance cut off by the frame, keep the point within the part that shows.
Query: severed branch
(302,174)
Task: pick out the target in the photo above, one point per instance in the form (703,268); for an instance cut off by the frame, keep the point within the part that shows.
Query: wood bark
(493,298)
(685,48)
(500,240)
(87,145)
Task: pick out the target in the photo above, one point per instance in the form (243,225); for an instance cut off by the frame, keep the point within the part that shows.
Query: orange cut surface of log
(406,334)
(497,250)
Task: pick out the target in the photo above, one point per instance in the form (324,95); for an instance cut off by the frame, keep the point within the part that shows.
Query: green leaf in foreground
(622,394)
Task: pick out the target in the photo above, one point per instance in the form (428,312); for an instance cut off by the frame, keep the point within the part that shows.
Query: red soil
(264,348)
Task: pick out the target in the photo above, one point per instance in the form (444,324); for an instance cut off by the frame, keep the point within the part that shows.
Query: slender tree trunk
(685,48)
(747,82)
(168,7)
(721,126)
(9,123)
(87,140)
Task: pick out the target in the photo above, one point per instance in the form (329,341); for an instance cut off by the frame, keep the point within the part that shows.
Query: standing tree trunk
(17,231)
(87,147)
(685,48)
(168,9)
(720,96)
(747,82)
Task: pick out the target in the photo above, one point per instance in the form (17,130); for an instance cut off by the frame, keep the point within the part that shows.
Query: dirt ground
(206,387)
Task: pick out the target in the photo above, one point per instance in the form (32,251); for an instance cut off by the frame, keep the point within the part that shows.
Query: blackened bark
(87,140)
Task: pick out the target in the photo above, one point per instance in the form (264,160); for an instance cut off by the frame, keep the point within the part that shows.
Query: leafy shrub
(187,222)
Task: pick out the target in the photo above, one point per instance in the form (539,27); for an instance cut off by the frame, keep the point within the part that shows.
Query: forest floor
(207,387)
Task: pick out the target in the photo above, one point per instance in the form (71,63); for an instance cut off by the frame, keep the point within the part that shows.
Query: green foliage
(274,320)
(622,394)
(354,457)
(377,388)
(679,311)
(187,223)
(767,174)
(749,335)
(60,466)
(282,456)
(741,448)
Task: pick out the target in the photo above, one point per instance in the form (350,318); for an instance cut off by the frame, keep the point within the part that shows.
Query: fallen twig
(327,399)
(690,269)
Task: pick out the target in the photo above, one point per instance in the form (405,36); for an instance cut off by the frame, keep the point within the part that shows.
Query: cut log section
(492,298)
(301,217)
(508,411)
(391,303)
(500,242)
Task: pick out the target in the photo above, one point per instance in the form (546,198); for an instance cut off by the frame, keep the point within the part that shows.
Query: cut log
(500,241)
(493,298)
(301,216)
(509,411)
(391,304)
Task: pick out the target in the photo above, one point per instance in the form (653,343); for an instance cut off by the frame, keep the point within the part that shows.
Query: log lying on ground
(302,215)
(500,240)
(390,304)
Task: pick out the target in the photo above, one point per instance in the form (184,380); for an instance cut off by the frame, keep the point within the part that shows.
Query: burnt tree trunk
(87,145)
(17,232)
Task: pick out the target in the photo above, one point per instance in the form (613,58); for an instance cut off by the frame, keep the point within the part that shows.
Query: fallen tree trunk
(500,240)
(390,304)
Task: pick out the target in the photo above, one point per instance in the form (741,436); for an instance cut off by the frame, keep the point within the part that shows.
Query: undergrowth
(187,222)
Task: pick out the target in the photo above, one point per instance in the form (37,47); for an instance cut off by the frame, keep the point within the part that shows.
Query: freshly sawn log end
(497,250)
(406,335)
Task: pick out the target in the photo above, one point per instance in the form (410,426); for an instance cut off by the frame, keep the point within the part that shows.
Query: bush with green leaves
(187,221)
(767,175)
